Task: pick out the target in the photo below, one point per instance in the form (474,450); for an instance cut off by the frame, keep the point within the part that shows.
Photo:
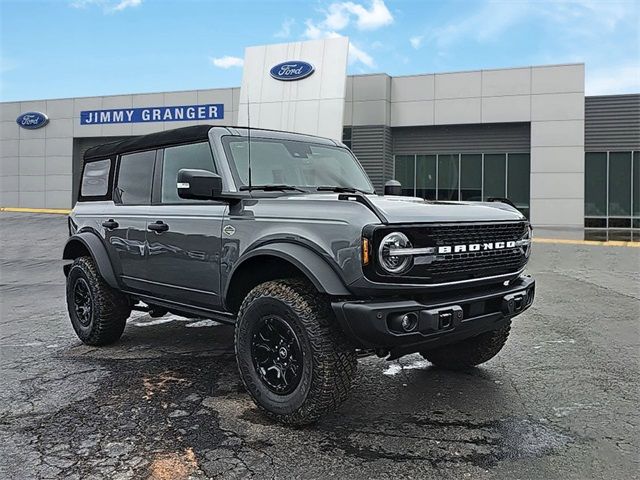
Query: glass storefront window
(612,195)
(405,173)
(494,176)
(460,176)
(426,176)
(448,169)
(471,177)
(635,207)
(518,180)
(619,184)
(595,184)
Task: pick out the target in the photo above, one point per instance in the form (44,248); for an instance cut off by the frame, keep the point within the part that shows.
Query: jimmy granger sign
(214,111)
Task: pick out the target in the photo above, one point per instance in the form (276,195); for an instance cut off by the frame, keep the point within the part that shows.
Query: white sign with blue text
(176,113)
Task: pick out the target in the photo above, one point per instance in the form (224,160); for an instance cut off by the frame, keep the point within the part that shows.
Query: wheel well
(75,249)
(255,271)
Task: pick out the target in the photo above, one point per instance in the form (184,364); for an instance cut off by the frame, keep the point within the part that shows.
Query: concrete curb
(611,243)
(58,211)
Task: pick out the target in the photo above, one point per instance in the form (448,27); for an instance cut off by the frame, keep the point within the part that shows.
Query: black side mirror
(393,187)
(199,184)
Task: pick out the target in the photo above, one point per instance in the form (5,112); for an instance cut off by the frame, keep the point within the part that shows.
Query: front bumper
(374,323)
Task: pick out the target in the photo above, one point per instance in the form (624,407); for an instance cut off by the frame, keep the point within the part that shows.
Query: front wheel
(292,357)
(470,352)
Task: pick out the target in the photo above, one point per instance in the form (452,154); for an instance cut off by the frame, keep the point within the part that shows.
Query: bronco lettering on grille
(476,247)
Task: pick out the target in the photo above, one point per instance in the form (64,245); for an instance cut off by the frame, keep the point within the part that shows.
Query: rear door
(183,236)
(125,224)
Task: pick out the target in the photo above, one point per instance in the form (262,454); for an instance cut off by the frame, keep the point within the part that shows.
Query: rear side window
(195,156)
(95,179)
(135,177)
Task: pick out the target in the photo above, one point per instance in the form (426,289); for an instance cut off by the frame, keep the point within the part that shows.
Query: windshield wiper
(271,188)
(329,188)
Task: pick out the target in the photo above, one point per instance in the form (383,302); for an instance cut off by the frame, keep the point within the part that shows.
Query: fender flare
(323,277)
(98,252)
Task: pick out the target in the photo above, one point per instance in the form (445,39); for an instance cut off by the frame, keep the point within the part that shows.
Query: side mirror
(393,187)
(199,184)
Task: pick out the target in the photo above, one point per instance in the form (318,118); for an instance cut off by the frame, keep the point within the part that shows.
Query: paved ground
(561,400)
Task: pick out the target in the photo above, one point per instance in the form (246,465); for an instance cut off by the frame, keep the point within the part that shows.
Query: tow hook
(514,302)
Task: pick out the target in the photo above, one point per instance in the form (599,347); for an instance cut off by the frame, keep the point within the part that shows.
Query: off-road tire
(329,361)
(109,308)
(470,352)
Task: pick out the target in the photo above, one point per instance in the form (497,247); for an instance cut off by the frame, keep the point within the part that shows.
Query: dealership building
(569,162)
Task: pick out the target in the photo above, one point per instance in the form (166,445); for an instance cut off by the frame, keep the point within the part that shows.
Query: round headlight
(394,264)
(528,236)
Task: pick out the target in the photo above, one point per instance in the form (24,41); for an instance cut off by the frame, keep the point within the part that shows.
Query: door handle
(110,224)
(159,226)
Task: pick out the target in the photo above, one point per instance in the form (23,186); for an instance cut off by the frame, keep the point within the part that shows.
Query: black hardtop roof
(188,135)
(143,142)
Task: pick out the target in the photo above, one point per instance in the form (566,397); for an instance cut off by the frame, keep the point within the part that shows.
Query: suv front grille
(453,267)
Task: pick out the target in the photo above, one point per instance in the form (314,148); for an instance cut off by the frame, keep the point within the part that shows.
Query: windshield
(299,164)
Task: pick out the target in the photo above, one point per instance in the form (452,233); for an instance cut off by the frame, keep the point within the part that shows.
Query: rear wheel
(470,352)
(98,313)
(292,357)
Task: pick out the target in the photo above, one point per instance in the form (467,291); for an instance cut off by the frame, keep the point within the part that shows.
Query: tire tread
(334,359)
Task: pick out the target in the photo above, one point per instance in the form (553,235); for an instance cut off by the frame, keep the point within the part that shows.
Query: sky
(72,48)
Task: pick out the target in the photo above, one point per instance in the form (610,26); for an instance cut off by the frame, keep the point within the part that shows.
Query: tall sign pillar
(298,87)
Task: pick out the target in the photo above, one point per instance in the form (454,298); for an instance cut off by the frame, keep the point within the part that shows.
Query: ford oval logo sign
(293,70)
(32,120)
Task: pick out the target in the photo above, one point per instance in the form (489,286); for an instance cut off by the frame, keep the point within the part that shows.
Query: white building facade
(518,133)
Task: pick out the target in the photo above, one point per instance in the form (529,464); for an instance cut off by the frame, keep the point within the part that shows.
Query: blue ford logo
(32,120)
(293,70)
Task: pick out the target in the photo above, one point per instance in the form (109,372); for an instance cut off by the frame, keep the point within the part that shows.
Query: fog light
(409,322)
(403,322)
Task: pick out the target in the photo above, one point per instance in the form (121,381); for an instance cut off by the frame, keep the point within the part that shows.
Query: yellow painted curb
(611,243)
(59,211)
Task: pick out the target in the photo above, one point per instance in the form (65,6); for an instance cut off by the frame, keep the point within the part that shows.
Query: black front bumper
(376,324)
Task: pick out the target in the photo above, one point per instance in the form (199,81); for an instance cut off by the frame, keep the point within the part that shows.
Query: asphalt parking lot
(560,401)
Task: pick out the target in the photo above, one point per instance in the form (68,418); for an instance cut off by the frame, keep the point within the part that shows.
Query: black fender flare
(98,252)
(319,272)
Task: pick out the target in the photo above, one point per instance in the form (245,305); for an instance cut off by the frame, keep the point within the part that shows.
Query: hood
(417,210)
(395,209)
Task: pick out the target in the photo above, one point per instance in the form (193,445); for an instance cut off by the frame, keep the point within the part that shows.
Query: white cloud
(340,14)
(357,55)
(285,28)
(337,16)
(227,62)
(126,4)
(416,41)
(108,6)
(370,19)
(313,32)
(574,18)
(613,79)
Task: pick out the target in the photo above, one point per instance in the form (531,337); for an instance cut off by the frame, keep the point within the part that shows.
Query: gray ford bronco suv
(283,236)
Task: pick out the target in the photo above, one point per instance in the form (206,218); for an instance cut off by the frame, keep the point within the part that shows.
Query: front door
(183,236)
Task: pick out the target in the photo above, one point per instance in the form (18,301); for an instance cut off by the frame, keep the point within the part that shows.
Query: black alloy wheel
(292,356)
(276,354)
(98,313)
(82,301)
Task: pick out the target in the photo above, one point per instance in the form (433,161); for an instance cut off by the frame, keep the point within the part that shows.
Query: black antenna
(249,135)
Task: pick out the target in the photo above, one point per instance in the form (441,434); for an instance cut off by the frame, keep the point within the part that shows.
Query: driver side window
(194,156)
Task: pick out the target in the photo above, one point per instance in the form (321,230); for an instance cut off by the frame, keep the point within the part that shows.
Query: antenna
(249,135)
